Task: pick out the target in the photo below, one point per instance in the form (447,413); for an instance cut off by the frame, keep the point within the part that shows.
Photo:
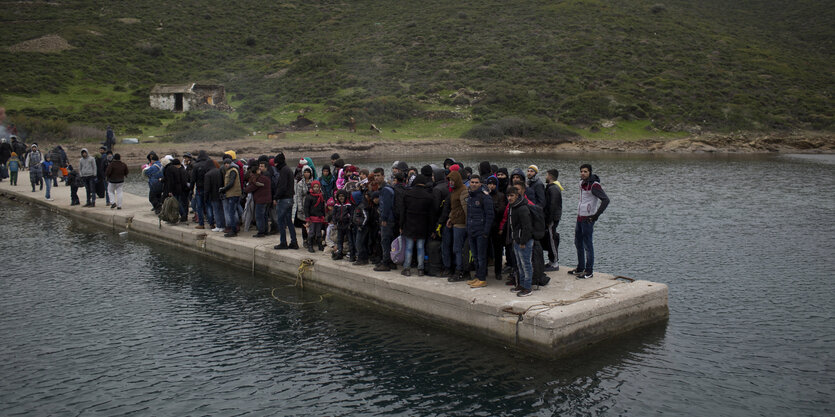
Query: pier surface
(563,317)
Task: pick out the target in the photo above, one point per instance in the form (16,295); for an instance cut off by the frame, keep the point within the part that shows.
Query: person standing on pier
(519,227)
(5,154)
(457,222)
(593,201)
(115,174)
(231,196)
(46,170)
(283,193)
(110,139)
(175,184)
(14,167)
(87,171)
(479,212)
(33,162)
(553,214)
(259,186)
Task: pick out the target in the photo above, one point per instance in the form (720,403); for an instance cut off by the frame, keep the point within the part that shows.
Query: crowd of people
(446,220)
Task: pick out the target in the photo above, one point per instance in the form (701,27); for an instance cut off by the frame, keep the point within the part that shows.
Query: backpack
(537,221)
(398,250)
(170,211)
(435,263)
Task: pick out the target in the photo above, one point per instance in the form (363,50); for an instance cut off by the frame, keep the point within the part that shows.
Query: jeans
(48,182)
(114,191)
(107,199)
(523,262)
(285,220)
(90,188)
(199,207)
(386,236)
(314,233)
(585,248)
(446,247)
(230,212)
(421,253)
(478,247)
(155,196)
(261,218)
(183,199)
(217,214)
(459,234)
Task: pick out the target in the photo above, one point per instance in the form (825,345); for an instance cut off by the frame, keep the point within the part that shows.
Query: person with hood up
(418,217)
(33,162)
(519,233)
(479,212)
(283,193)
(535,190)
(341,218)
(593,201)
(115,174)
(553,214)
(328,181)
(314,212)
(175,185)
(362,220)
(87,171)
(13,163)
(75,182)
(457,221)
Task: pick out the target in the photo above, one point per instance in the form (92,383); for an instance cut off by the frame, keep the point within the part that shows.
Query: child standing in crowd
(14,166)
(341,217)
(314,212)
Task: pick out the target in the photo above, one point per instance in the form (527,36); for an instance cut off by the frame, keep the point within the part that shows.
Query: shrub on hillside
(379,110)
(528,128)
(205,126)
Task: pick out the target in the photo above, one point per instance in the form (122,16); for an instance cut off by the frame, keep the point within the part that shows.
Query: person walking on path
(115,173)
(46,169)
(110,139)
(33,162)
(87,171)
(593,201)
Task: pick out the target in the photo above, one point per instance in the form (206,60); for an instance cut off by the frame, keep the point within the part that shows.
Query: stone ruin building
(186,97)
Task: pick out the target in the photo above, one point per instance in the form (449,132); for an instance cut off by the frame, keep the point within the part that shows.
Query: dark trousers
(478,247)
(217,213)
(74,195)
(551,243)
(537,261)
(583,233)
(90,188)
(183,199)
(341,235)
(497,245)
(386,236)
(155,198)
(361,243)
(314,234)
(446,247)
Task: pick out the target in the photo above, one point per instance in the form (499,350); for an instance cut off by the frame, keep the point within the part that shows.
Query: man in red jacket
(259,186)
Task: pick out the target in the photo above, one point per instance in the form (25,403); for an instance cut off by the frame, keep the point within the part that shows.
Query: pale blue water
(95,324)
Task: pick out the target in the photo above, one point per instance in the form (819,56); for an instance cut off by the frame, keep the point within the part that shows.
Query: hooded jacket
(503,182)
(212,183)
(519,222)
(284,187)
(440,193)
(457,200)
(342,212)
(535,191)
(553,203)
(593,201)
(201,167)
(87,166)
(314,204)
(175,180)
(259,186)
(417,210)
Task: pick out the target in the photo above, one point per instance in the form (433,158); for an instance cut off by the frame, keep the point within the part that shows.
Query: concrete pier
(562,317)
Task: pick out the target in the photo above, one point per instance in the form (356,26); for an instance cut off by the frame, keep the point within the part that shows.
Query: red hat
(454,167)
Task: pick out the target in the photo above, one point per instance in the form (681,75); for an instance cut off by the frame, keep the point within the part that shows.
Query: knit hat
(226,161)
(331,202)
(534,168)
(493,180)
(426,171)
(302,162)
(454,167)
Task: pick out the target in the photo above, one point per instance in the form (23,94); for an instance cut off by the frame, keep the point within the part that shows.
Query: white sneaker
(50,199)
(217,229)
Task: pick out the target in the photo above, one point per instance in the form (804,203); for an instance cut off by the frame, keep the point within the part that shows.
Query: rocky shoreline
(735,143)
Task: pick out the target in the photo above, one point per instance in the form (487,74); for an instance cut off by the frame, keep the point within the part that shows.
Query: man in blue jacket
(388,223)
(479,213)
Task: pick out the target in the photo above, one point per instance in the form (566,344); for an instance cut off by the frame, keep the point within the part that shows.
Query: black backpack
(537,221)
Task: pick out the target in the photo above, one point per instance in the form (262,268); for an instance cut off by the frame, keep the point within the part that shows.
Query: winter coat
(341,214)
(13,163)
(519,222)
(298,199)
(416,213)
(212,183)
(154,174)
(116,172)
(5,152)
(440,192)
(33,161)
(479,213)
(535,191)
(314,207)
(457,200)
(260,188)
(201,167)
(175,180)
(285,186)
(553,203)
(499,206)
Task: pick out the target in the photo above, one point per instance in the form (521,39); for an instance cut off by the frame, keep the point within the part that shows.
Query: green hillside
(675,64)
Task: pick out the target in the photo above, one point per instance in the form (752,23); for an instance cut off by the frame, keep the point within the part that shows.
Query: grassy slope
(746,65)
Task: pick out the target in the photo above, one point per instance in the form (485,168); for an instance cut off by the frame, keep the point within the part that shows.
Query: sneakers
(523,293)
(585,275)
(552,267)
(478,284)
(457,277)
(113,206)
(281,246)
(516,288)
(383,267)
(217,229)
(118,208)
(406,272)
(576,271)
(50,199)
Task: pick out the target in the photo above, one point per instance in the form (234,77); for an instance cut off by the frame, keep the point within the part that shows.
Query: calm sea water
(95,324)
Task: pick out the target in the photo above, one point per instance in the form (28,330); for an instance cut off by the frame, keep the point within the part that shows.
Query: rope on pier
(296,303)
